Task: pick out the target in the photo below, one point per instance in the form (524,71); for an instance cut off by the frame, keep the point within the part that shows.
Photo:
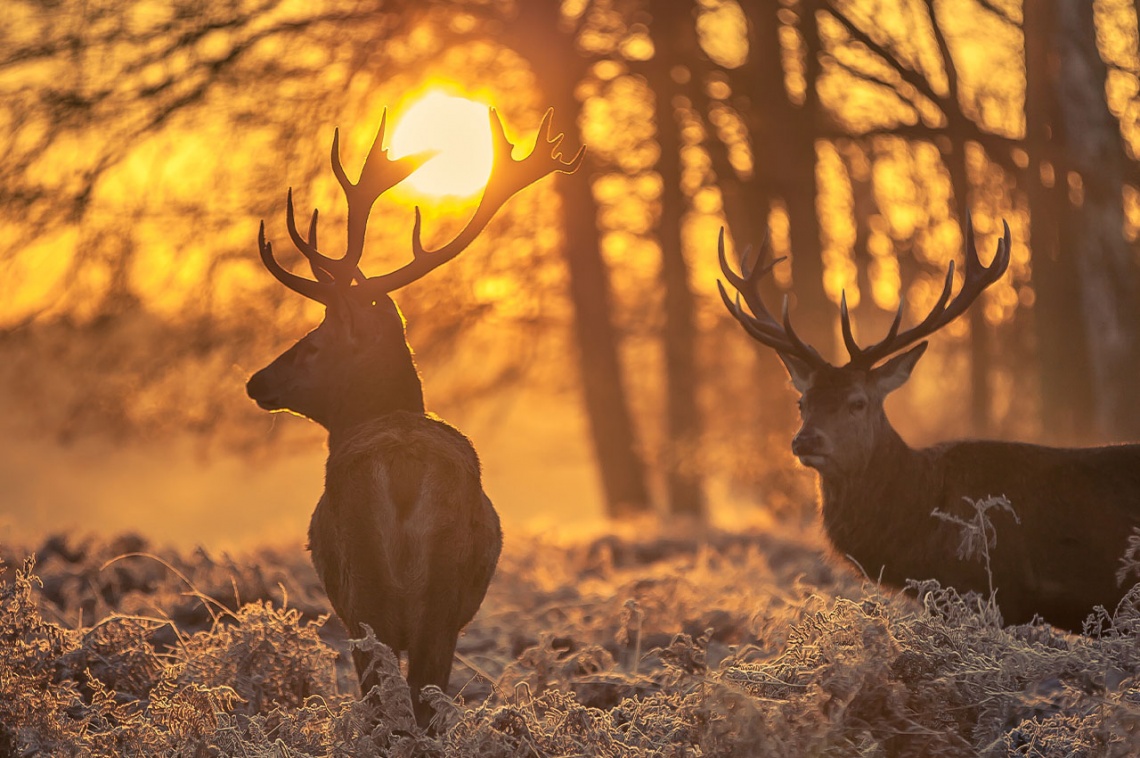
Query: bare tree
(1094,162)
(541,35)
(953,130)
(127,81)
(783,129)
(1067,403)
(675,44)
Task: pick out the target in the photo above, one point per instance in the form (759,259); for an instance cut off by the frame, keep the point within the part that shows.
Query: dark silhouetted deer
(1056,555)
(403,538)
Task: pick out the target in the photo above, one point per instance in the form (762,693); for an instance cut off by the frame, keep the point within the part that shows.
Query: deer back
(1058,553)
(404,534)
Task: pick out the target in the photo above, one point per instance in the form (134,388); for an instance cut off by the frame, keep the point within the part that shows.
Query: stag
(1056,554)
(403,538)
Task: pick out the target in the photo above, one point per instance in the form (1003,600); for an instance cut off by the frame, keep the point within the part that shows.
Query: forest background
(581,342)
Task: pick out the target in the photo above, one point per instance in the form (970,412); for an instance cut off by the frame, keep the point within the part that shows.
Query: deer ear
(798,369)
(894,373)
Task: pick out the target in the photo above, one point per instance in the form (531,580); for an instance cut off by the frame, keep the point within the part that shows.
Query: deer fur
(1075,508)
(890,508)
(403,538)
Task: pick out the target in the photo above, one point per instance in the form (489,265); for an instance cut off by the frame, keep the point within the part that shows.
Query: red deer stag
(1074,509)
(403,538)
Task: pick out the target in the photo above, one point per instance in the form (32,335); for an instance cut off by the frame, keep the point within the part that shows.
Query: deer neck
(368,401)
(893,474)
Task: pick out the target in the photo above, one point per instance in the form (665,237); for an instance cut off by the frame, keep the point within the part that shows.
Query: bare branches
(908,75)
(948,67)
(1005,14)
(123,76)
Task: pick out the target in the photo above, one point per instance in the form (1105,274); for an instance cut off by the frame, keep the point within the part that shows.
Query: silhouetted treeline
(853,136)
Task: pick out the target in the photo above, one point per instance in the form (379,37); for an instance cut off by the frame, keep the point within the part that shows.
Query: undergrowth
(734,645)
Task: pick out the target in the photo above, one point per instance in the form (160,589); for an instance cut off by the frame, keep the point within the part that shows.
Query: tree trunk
(1067,410)
(559,68)
(676,42)
(783,138)
(863,209)
(981,421)
(619,459)
(800,188)
(1095,218)
(954,154)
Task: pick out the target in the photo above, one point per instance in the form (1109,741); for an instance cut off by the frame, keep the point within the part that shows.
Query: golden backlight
(459,131)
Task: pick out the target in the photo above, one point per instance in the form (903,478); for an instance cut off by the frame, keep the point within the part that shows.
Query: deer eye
(858,405)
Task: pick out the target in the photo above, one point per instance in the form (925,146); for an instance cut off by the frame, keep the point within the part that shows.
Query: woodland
(143,146)
(143,143)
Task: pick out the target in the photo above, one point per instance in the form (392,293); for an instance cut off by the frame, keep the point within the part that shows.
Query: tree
(560,67)
(267,67)
(922,82)
(1067,405)
(675,44)
(1093,164)
(783,128)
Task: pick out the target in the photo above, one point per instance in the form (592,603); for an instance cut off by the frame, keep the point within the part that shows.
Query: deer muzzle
(810,446)
(262,391)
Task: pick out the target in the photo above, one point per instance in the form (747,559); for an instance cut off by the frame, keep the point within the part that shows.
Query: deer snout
(262,392)
(810,446)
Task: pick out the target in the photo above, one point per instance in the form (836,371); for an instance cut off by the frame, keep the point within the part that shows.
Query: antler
(508,176)
(764,328)
(977,278)
(760,324)
(380,174)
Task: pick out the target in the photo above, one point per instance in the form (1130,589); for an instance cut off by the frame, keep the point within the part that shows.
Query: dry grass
(732,645)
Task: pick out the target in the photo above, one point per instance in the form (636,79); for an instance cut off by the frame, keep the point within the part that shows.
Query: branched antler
(379,174)
(508,176)
(976,279)
(764,328)
(760,324)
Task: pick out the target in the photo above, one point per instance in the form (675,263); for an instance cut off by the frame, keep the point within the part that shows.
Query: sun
(459,131)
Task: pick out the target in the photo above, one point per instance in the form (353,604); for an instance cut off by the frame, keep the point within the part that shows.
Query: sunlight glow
(459,130)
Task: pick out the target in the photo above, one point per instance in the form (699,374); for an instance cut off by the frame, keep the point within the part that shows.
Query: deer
(1055,554)
(403,538)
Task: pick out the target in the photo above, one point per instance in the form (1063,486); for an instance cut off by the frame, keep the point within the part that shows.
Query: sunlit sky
(458,130)
(171,222)
(449,91)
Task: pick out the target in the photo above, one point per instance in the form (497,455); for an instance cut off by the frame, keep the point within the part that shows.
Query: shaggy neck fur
(871,515)
(393,385)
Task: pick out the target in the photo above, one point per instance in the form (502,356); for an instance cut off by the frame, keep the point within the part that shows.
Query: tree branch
(948,66)
(908,75)
(1001,13)
(870,78)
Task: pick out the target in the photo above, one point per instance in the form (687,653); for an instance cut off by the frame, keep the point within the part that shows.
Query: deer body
(1075,509)
(403,539)
(1056,555)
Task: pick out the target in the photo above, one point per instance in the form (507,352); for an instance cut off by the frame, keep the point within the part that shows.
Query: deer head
(356,365)
(842,406)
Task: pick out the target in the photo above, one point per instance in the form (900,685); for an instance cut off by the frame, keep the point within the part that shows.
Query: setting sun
(459,131)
